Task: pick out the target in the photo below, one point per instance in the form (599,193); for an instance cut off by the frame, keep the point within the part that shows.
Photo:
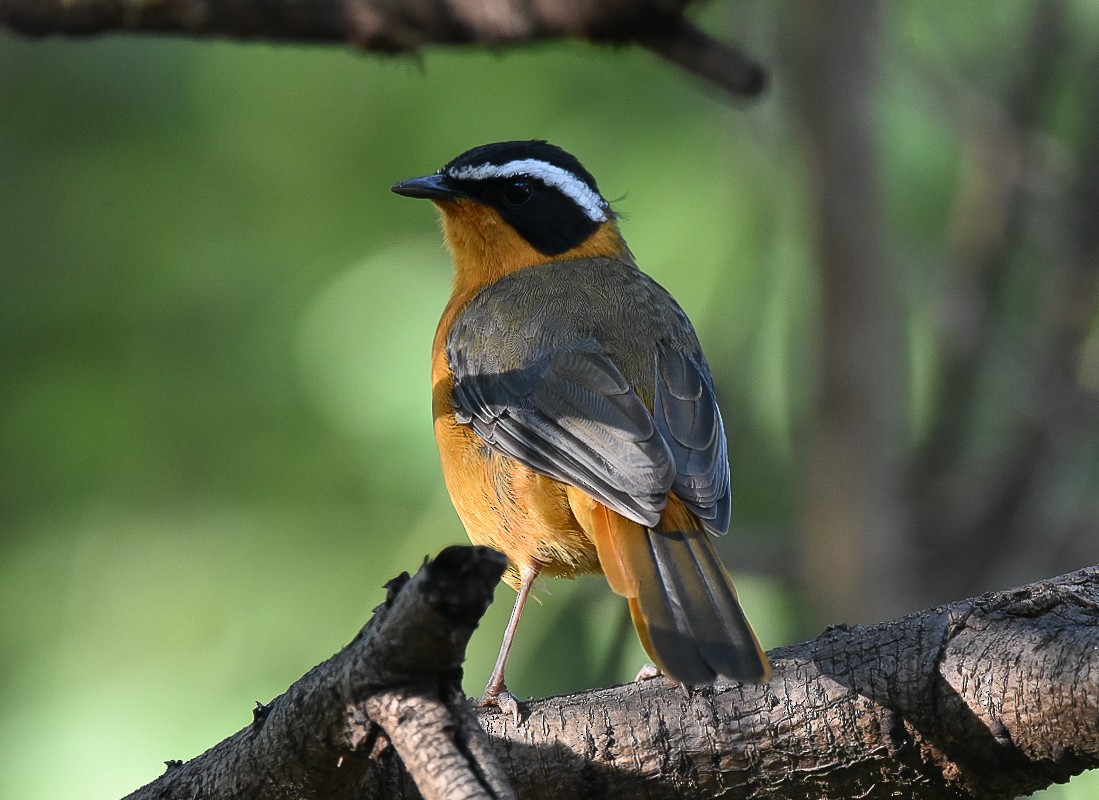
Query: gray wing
(573,416)
(537,384)
(687,417)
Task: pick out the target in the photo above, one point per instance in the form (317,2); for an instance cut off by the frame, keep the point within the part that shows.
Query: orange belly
(509,507)
(502,503)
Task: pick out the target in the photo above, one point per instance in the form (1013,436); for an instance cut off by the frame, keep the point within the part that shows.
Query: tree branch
(328,735)
(397,26)
(696,51)
(986,698)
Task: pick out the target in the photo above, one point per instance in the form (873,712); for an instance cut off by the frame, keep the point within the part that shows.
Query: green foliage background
(215,322)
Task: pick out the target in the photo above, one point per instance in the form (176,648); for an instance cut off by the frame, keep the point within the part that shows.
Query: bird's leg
(496,693)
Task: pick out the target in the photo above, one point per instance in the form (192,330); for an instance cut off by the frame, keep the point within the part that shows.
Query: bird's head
(510,205)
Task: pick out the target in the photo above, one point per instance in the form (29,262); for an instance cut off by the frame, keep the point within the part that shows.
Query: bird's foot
(504,700)
(646,672)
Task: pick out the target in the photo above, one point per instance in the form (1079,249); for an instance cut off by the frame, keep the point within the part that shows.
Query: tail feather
(681,597)
(663,614)
(708,616)
(613,534)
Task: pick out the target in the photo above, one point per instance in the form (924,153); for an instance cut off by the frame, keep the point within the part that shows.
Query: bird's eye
(518,192)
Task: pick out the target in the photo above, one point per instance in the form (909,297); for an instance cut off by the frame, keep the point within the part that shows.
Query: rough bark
(985,698)
(396,26)
(990,697)
(329,734)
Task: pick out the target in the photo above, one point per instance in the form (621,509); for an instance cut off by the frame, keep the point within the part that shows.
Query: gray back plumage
(589,372)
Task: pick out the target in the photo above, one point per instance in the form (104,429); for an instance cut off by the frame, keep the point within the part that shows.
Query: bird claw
(505,701)
(646,672)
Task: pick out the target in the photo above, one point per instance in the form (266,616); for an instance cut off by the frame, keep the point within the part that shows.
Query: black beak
(431,187)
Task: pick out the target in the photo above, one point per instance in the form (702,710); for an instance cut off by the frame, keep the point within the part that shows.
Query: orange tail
(681,597)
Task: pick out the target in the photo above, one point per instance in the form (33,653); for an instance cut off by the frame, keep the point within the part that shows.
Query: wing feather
(574,418)
(687,416)
(628,419)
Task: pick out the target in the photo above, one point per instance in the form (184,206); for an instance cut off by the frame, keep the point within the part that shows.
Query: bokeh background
(215,323)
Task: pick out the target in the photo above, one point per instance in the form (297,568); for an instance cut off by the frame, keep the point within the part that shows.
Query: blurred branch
(988,225)
(982,508)
(695,51)
(398,26)
(858,539)
(990,697)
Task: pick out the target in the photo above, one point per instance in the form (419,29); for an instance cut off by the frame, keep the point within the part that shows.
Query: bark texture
(398,682)
(986,698)
(991,697)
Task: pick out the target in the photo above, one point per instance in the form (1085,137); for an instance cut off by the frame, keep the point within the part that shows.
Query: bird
(575,413)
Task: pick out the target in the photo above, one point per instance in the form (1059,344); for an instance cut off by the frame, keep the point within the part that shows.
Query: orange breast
(502,503)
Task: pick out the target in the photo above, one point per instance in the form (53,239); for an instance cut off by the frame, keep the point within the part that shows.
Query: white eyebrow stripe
(550,174)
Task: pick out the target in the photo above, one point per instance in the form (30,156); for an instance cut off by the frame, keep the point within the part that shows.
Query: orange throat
(485,247)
